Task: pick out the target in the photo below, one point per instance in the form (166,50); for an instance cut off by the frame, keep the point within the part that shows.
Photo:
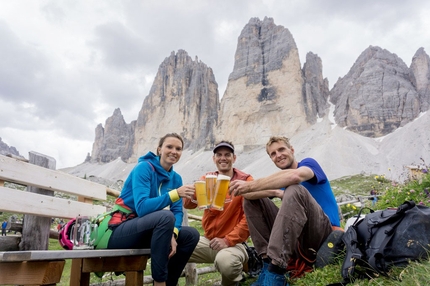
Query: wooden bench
(34,264)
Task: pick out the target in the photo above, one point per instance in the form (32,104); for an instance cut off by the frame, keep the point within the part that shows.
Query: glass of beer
(221,189)
(210,187)
(202,199)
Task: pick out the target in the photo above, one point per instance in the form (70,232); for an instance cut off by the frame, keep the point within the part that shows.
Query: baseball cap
(224,144)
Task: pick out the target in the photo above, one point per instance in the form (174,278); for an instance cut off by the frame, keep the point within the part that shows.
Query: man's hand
(217,243)
(239,187)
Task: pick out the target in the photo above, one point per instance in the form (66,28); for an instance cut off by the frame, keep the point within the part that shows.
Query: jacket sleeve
(176,207)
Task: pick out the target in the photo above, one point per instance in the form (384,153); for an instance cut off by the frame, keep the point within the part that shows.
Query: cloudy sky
(65,66)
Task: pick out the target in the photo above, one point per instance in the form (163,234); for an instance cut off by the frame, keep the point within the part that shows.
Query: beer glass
(81,235)
(210,187)
(221,189)
(202,199)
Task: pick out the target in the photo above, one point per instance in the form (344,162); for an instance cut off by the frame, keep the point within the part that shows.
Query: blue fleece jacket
(150,188)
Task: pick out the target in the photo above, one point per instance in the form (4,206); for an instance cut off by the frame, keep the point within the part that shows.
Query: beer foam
(223,177)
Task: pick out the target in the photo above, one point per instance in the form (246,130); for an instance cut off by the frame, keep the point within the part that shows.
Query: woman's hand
(186,191)
(173,245)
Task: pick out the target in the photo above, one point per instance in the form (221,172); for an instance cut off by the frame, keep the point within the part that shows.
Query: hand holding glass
(202,199)
(221,190)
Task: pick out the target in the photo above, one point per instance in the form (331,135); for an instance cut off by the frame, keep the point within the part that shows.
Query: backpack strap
(353,252)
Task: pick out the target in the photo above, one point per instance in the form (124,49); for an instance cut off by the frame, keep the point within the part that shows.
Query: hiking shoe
(274,279)
(330,249)
(260,280)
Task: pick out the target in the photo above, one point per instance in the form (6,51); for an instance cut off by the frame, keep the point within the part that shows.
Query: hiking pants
(155,231)
(228,261)
(299,224)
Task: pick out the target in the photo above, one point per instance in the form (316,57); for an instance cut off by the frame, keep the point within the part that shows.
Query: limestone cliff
(113,141)
(183,99)
(8,150)
(316,91)
(376,96)
(420,77)
(264,94)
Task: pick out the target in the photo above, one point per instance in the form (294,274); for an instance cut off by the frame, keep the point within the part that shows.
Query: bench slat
(32,255)
(31,273)
(17,201)
(13,170)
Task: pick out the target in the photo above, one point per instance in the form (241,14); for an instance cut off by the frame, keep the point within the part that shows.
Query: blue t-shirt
(320,189)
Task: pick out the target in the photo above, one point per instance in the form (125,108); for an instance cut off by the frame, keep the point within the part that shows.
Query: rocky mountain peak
(264,94)
(8,150)
(183,99)
(114,140)
(420,77)
(316,91)
(376,96)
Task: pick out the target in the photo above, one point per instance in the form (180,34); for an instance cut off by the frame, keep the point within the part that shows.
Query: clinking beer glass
(210,187)
(221,189)
(202,199)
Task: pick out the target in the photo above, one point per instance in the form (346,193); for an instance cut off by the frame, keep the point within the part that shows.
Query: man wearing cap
(288,237)
(224,230)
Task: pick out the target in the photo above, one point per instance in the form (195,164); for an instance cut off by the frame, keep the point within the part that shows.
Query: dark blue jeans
(155,231)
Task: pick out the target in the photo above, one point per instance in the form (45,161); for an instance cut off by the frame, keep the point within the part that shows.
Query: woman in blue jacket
(149,212)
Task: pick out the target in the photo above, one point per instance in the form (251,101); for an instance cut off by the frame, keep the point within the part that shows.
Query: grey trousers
(299,225)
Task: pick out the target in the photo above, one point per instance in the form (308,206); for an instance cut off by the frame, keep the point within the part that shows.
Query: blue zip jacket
(150,188)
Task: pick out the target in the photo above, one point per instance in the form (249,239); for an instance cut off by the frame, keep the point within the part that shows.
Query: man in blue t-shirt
(288,237)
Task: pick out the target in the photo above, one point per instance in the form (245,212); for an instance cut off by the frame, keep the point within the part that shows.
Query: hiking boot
(274,279)
(260,280)
(330,249)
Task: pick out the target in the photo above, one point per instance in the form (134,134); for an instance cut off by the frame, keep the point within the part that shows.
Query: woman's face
(170,152)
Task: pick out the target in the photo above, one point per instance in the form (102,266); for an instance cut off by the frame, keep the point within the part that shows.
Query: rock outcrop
(376,96)
(113,141)
(264,94)
(420,77)
(8,150)
(316,91)
(183,99)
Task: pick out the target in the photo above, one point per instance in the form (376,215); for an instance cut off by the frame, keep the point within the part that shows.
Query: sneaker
(260,280)
(274,279)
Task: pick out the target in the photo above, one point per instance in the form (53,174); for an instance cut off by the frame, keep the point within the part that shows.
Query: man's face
(224,159)
(281,155)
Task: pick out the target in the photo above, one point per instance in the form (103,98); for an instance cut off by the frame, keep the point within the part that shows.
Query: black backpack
(255,262)
(387,238)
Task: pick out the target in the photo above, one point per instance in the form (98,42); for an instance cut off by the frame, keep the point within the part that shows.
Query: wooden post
(35,230)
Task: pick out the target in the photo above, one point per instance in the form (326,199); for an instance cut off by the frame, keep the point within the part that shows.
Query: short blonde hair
(274,139)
